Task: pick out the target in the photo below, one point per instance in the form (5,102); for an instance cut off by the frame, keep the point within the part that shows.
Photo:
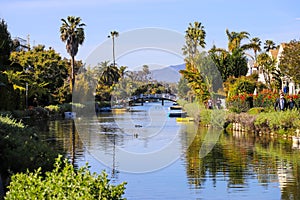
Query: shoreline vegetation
(256,120)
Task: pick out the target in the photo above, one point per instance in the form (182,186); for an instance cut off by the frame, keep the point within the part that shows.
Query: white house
(288,84)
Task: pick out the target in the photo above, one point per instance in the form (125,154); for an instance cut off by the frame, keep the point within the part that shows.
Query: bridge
(145,97)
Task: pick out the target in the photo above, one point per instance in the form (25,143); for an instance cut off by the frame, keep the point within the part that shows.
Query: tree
(255,46)
(43,70)
(195,37)
(268,45)
(113,35)
(6,44)
(72,33)
(229,64)
(235,38)
(267,65)
(290,60)
(109,74)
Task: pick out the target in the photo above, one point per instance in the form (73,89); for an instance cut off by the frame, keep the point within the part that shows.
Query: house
(288,85)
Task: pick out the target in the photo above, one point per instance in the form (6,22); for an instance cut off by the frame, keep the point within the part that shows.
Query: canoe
(179,114)
(119,110)
(184,119)
(176,108)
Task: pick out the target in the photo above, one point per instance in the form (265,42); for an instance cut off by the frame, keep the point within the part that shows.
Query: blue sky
(266,19)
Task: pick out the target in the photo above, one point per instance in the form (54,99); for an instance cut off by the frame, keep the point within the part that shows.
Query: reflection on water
(239,166)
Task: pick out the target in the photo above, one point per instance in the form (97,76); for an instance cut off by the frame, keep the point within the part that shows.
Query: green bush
(255,111)
(276,121)
(63,182)
(21,149)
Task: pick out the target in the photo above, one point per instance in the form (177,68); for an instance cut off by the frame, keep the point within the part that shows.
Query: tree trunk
(72,83)
(1,189)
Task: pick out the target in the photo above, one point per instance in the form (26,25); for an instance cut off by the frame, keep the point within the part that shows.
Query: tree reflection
(240,157)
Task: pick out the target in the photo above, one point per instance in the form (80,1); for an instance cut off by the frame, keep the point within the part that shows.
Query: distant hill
(168,74)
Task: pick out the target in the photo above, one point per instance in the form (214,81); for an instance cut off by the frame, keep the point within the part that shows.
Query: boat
(178,114)
(119,110)
(176,108)
(70,115)
(184,119)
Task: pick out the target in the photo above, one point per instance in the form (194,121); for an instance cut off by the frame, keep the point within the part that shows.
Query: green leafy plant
(64,182)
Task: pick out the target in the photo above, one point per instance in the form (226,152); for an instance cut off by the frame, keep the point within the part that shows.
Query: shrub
(64,182)
(276,121)
(22,149)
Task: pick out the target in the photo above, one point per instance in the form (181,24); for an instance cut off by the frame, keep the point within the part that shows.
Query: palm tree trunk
(114,61)
(72,73)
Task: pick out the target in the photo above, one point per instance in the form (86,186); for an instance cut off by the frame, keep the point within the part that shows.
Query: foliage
(64,182)
(276,121)
(6,44)
(72,33)
(22,149)
(183,88)
(290,60)
(235,38)
(43,70)
(229,63)
(194,37)
(267,65)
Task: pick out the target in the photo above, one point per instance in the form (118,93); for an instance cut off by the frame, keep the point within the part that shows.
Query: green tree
(267,64)
(255,44)
(232,62)
(6,44)
(43,70)
(72,33)
(235,39)
(109,74)
(290,60)
(268,45)
(183,88)
(229,64)
(195,37)
(113,35)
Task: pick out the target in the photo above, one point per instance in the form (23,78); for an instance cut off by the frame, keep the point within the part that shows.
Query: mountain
(168,74)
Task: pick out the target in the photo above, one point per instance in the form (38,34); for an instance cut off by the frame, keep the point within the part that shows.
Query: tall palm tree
(268,45)
(195,37)
(72,33)
(113,35)
(255,44)
(235,38)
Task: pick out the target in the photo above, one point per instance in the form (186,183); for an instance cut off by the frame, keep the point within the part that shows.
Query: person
(280,103)
(291,104)
(210,104)
(218,103)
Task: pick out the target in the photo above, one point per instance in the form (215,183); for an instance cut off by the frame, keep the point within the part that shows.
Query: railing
(165,96)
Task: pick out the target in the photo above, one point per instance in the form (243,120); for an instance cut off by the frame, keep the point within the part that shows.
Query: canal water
(160,158)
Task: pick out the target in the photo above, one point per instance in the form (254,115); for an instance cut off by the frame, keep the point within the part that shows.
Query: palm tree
(114,34)
(109,74)
(268,45)
(72,32)
(195,36)
(255,46)
(235,38)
